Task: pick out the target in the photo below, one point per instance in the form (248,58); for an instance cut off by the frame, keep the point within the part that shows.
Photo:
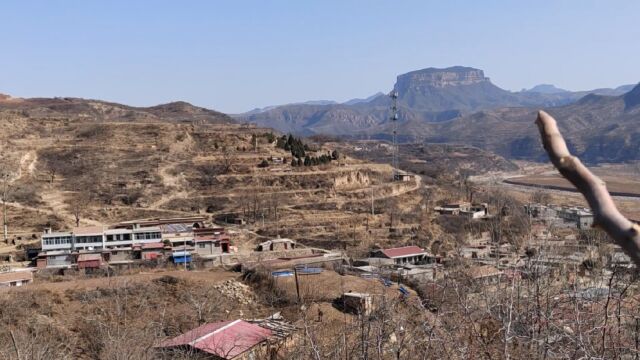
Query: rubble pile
(236,290)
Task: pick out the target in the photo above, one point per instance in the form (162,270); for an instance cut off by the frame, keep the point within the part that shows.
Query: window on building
(201,245)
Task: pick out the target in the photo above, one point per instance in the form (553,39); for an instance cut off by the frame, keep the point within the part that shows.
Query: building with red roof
(235,339)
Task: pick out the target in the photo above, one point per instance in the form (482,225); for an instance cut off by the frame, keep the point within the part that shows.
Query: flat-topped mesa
(453,76)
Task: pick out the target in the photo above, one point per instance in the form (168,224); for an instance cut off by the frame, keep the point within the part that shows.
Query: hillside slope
(100,111)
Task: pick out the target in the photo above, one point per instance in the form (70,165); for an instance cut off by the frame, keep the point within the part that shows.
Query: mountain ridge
(99,110)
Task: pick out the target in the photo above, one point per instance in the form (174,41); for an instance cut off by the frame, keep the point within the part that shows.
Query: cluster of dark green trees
(290,143)
(299,150)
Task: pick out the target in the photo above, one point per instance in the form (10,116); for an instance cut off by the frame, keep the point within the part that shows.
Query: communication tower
(394,120)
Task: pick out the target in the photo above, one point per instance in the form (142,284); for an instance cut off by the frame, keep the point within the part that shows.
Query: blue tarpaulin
(181,259)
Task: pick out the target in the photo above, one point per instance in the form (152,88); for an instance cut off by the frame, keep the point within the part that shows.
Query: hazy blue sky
(236,55)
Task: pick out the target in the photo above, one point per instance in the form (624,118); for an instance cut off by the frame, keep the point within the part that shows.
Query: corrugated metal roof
(403,251)
(175,228)
(226,339)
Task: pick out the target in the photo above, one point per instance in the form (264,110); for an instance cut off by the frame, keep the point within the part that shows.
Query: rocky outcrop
(351,180)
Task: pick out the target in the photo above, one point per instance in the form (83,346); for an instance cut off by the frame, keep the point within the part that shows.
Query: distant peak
(632,98)
(546,89)
(176,106)
(365,100)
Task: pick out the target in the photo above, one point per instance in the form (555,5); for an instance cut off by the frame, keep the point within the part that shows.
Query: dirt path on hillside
(169,181)
(337,170)
(54,200)
(26,166)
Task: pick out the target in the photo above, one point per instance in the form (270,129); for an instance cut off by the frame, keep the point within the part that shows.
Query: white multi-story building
(98,237)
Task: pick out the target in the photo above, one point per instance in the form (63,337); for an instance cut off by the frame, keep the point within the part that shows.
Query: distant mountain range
(313,102)
(461,105)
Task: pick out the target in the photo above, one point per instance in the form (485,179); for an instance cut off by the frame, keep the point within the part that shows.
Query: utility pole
(4,211)
(372,210)
(185,255)
(5,191)
(295,272)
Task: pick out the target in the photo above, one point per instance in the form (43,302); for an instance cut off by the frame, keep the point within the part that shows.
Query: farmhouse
(471,210)
(485,274)
(581,218)
(276,245)
(403,255)
(15,278)
(211,241)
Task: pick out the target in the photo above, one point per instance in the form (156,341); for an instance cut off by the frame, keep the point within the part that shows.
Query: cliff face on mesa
(455,88)
(439,78)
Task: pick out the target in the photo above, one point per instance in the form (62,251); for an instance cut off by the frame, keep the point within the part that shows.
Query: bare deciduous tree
(606,215)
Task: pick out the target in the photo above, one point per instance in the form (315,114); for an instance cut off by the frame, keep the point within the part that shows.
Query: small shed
(357,303)
(181,257)
(89,261)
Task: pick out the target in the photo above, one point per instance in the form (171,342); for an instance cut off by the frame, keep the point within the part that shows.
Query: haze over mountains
(461,105)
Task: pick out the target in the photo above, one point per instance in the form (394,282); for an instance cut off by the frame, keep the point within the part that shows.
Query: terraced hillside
(88,169)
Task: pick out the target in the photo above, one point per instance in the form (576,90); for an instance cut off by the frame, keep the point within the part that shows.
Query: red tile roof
(226,339)
(403,251)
